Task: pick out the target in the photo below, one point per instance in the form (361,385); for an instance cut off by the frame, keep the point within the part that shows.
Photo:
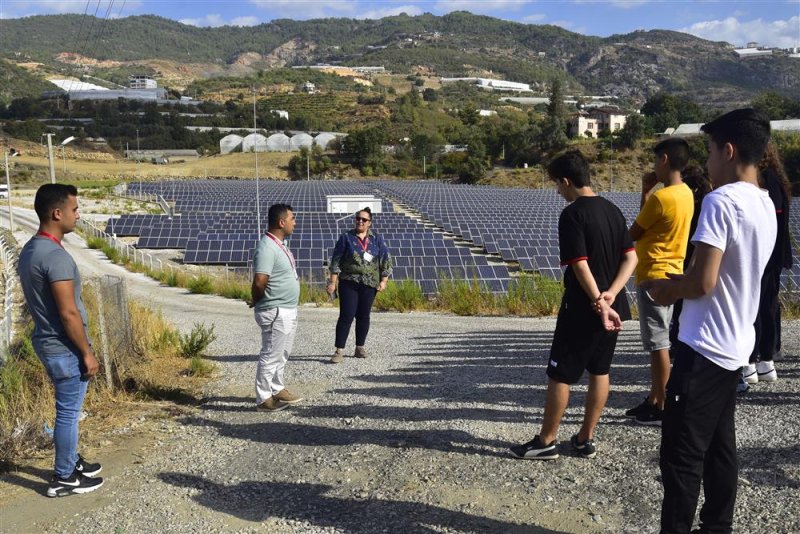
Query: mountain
(634,65)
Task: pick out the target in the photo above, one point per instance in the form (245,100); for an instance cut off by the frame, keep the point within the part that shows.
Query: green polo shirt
(283,287)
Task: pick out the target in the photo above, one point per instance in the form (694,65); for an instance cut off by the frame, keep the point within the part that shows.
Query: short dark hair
(747,129)
(52,196)
(369,211)
(677,151)
(276,213)
(572,165)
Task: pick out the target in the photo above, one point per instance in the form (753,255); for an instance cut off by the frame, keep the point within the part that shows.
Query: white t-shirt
(738,219)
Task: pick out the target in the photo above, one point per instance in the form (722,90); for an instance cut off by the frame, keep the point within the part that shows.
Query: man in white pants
(275,292)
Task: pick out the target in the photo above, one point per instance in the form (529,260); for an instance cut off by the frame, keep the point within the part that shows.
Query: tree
(364,145)
(429,95)
(312,162)
(469,114)
(776,106)
(665,110)
(554,127)
(634,130)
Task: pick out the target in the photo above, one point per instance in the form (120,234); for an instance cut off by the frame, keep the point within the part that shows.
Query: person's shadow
(258,501)
(36,479)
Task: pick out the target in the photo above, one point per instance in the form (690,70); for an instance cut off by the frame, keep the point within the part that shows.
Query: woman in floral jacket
(361,264)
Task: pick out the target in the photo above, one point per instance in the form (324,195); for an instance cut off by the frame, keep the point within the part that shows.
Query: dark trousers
(355,301)
(698,443)
(768,320)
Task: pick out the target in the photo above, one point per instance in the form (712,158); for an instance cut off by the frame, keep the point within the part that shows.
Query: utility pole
(138,158)
(50,157)
(8,187)
(255,151)
(611,165)
(308,165)
(424,169)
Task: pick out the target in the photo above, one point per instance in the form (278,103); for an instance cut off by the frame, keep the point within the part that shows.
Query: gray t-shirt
(276,261)
(42,262)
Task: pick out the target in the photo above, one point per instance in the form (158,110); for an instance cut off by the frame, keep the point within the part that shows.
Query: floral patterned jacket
(348,259)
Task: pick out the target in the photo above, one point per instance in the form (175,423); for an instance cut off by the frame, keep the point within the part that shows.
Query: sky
(774,23)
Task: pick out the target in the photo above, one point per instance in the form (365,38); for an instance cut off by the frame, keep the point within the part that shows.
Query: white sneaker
(766,371)
(750,374)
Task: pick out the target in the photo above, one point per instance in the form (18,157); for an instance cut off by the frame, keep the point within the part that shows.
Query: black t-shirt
(781,257)
(593,229)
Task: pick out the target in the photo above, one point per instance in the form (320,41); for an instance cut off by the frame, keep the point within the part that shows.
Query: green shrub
(310,292)
(466,297)
(533,295)
(95,243)
(200,367)
(200,284)
(233,289)
(402,296)
(195,342)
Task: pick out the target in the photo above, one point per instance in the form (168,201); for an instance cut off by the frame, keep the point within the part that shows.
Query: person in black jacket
(772,177)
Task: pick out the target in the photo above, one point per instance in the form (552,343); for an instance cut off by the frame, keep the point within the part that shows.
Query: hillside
(632,66)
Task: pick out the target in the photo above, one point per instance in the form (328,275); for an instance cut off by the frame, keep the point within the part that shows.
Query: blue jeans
(64,371)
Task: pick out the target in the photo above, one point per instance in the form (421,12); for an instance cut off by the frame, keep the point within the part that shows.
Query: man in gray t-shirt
(275,292)
(52,287)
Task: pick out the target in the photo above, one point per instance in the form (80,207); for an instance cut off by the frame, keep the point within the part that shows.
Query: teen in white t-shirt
(733,241)
(736,220)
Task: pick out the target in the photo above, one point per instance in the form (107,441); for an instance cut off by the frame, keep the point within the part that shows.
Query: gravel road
(412,439)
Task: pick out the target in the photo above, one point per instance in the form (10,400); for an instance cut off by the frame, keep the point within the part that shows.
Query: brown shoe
(338,356)
(361,352)
(272,404)
(286,396)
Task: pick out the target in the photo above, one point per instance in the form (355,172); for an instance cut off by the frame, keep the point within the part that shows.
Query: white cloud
(245,21)
(535,17)
(777,33)
(391,12)
(215,20)
(480,6)
(305,9)
(626,4)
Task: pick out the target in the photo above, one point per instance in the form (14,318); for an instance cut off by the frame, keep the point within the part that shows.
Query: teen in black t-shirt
(600,258)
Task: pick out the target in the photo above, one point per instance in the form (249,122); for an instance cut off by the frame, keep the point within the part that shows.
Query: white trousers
(278,327)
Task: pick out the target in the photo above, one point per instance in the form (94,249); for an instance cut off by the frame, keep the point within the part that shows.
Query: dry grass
(157,372)
(237,165)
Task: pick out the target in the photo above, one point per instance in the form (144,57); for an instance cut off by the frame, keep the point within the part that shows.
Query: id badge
(368,257)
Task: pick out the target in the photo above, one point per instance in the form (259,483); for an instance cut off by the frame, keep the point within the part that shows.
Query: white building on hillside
(591,122)
(491,84)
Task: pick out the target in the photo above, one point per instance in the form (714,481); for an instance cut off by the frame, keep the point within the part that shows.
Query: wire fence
(10,280)
(106,299)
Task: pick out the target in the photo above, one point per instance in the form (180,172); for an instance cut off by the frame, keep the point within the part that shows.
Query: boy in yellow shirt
(661,233)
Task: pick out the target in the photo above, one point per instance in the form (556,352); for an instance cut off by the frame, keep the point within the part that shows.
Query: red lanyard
(284,249)
(51,237)
(364,244)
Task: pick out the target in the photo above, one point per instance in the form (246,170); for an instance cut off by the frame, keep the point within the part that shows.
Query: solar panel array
(456,231)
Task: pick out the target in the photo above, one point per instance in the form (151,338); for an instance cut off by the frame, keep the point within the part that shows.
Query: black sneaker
(643,408)
(87,469)
(652,417)
(535,450)
(75,483)
(585,449)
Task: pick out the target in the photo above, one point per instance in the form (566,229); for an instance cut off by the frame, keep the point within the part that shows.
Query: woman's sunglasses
(362,219)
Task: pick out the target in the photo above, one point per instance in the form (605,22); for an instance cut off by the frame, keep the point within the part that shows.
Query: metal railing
(128,251)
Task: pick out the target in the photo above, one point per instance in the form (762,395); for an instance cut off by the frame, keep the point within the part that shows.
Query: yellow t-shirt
(665,219)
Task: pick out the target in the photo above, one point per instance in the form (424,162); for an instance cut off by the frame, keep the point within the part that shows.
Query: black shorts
(580,342)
